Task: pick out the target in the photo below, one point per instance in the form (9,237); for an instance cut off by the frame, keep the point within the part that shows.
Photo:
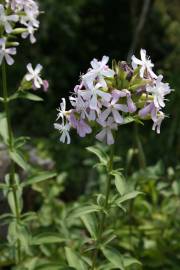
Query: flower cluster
(111,97)
(23,13)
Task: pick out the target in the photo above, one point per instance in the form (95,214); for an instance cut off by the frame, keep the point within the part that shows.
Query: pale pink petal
(93,103)
(110,139)
(104,115)
(38,69)
(143,55)
(136,61)
(9,59)
(117,117)
(29,68)
(95,64)
(29,77)
(101,135)
(8,27)
(105,60)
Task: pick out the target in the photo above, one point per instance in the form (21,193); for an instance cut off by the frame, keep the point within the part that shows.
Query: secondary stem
(103,216)
(10,146)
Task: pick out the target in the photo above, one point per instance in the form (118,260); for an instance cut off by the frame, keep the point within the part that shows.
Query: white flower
(159,90)
(91,95)
(30,32)
(62,110)
(6,52)
(145,63)
(64,130)
(157,122)
(5,20)
(33,75)
(99,71)
(106,134)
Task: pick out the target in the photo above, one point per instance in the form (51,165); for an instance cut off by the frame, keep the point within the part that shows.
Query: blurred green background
(72,33)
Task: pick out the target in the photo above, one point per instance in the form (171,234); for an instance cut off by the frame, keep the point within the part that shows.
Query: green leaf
(89,221)
(19,142)
(114,257)
(30,96)
(74,260)
(39,178)
(128,196)
(4,128)
(128,119)
(119,182)
(3,186)
(6,218)
(101,155)
(107,266)
(19,160)
(128,261)
(29,216)
(46,238)
(80,211)
(25,95)
(53,266)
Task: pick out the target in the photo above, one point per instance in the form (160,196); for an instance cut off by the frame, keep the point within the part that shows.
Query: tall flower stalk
(10,148)
(13,15)
(102,221)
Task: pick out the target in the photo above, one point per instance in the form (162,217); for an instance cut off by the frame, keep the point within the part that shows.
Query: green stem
(106,206)
(10,146)
(141,155)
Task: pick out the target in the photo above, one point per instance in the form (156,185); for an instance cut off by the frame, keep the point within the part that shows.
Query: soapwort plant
(106,99)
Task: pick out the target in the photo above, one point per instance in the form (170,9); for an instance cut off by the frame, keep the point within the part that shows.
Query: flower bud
(18,31)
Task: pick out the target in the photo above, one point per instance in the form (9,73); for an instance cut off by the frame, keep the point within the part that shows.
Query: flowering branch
(113,97)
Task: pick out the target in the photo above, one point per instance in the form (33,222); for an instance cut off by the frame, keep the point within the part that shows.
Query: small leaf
(74,260)
(78,212)
(101,155)
(4,128)
(128,196)
(19,160)
(39,178)
(128,119)
(128,261)
(29,216)
(25,95)
(46,238)
(3,186)
(89,221)
(119,182)
(114,257)
(51,266)
(19,142)
(30,96)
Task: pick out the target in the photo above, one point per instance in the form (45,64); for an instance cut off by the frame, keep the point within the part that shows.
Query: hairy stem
(10,147)
(106,206)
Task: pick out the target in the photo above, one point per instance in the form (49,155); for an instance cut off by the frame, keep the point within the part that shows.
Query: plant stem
(106,205)
(10,147)
(141,155)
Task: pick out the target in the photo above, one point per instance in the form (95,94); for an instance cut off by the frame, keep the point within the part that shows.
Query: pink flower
(105,135)
(80,125)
